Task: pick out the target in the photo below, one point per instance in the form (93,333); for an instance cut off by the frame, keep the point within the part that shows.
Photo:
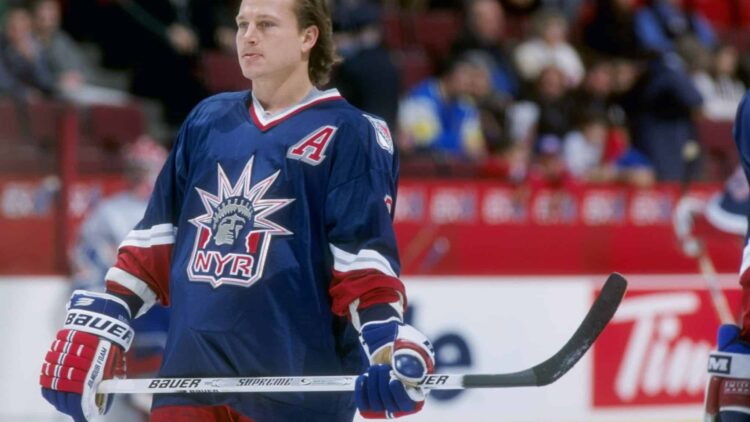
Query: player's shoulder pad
(370,129)
(216,105)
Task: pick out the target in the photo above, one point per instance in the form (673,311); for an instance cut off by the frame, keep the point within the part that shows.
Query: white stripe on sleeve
(161,234)
(135,285)
(365,259)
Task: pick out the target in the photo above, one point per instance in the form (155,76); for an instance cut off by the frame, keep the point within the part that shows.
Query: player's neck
(280,94)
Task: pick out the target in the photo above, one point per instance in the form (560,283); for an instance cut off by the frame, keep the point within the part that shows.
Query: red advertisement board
(655,350)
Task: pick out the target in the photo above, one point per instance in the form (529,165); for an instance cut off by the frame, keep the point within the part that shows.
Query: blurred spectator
(548,46)
(583,150)
(660,108)
(367,77)
(594,95)
(484,30)
(491,104)
(547,167)
(95,252)
(660,24)
(629,165)
(521,7)
(720,86)
(21,54)
(161,50)
(213,21)
(438,116)
(611,30)
(552,97)
(65,60)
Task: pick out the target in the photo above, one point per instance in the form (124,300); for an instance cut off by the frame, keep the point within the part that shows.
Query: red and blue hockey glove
(728,391)
(400,357)
(90,348)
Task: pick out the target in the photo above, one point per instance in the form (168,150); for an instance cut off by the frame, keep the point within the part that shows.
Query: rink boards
(648,365)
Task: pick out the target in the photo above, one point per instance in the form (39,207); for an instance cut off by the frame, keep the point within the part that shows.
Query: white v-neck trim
(265,120)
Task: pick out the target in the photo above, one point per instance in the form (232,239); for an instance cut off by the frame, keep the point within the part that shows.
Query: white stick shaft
(255,384)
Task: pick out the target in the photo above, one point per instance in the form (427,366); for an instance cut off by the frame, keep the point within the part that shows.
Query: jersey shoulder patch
(382,133)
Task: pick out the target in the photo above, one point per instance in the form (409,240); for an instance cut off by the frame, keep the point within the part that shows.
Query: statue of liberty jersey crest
(234,234)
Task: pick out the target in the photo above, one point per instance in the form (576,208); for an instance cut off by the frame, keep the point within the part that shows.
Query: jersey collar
(265,121)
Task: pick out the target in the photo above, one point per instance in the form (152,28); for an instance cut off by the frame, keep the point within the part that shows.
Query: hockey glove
(90,347)
(400,356)
(728,390)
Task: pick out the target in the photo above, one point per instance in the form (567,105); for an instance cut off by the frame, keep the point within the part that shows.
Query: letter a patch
(312,148)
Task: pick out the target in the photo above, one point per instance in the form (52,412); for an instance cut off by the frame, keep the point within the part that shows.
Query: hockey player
(723,215)
(96,250)
(269,233)
(728,390)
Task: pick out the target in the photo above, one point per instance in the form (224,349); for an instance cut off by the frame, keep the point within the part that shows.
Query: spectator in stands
(65,60)
(438,116)
(611,31)
(548,46)
(583,149)
(95,251)
(161,51)
(6,82)
(491,104)
(521,8)
(547,168)
(720,86)
(21,54)
(555,103)
(213,22)
(483,30)
(367,77)
(660,24)
(596,94)
(660,108)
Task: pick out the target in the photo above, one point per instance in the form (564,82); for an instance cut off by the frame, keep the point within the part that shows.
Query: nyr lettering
(311,149)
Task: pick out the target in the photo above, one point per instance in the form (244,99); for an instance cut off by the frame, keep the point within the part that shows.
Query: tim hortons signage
(655,350)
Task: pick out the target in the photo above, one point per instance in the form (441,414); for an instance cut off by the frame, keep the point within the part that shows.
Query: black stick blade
(549,371)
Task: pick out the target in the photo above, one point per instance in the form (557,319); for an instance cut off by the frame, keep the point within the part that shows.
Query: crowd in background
(582,91)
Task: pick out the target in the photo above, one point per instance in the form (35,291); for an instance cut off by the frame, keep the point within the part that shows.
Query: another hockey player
(728,390)
(108,223)
(723,215)
(269,233)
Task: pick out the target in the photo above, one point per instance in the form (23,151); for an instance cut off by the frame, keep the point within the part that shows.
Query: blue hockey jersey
(742,139)
(261,233)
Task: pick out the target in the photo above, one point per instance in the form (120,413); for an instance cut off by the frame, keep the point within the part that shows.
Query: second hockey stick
(545,373)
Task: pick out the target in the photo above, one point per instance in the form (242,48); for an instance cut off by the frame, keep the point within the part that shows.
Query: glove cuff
(729,365)
(101,314)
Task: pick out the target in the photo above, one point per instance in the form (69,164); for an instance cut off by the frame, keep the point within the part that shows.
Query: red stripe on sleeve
(371,287)
(151,265)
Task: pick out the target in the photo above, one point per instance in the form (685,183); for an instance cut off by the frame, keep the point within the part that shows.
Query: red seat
(44,120)
(436,31)
(718,12)
(116,125)
(221,72)
(414,66)
(393,32)
(10,127)
(718,148)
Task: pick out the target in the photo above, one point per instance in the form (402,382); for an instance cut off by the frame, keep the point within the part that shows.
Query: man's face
(17,25)
(269,42)
(488,20)
(47,16)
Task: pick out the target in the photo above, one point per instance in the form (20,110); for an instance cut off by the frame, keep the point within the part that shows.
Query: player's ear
(309,38)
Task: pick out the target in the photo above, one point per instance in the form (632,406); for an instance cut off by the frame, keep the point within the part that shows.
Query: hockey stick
(719,300)
(547,372)
(690,155)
